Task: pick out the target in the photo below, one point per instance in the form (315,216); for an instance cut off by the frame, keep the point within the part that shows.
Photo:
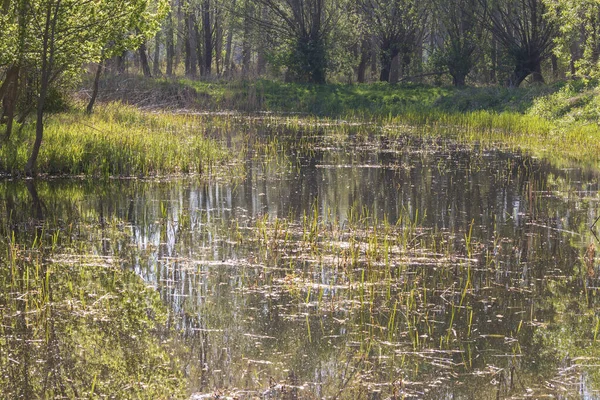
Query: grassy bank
(374,100)
(118,140)
(557,121)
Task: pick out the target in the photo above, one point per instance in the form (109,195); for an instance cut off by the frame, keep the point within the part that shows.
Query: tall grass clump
(118,140)
(563,143)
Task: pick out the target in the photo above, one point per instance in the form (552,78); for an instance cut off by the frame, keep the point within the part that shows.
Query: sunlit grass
(562,144)
(119,140)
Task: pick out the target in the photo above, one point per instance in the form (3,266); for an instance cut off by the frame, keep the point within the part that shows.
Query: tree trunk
(459,80)
(386,66)
(30,168)
(207,36)
(516,78)
(395,70)
(246,49)
(261,57)
(90,106)
(555,70)
(200,54)
(47,55)
(537,74)
(405,61)
(144,60)
(218,46)
(228,44)
(523,69)
(526,62)
(595,45)
(364,59)
(121,65)
(170,46)
(387,52)
(180,47)
(156,64)
(494,59)
(191,46)
(384,74)
(459,64)
(309,65)
(373,54)
(9,92)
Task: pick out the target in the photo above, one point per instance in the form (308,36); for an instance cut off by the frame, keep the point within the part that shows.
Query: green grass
(118,140)
(334,100)
(373,100)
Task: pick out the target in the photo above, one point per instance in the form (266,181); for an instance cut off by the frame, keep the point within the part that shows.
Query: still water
(336,267)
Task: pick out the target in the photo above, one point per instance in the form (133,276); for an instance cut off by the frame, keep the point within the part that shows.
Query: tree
(229,40)
(59,36)
(524,30)
(131,32)
(306,25)
(462,34)
(579,39)
(14,57)
(397,24)
(169,43)
(191,40)
(207,35)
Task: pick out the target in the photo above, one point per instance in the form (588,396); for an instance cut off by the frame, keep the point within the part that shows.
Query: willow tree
(57,37)
(526,32)
(306,25)
(398,26)
(462,34)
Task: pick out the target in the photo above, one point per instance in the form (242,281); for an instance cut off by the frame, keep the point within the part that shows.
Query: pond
(341,265)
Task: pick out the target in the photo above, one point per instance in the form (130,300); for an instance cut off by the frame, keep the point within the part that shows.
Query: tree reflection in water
(360,269)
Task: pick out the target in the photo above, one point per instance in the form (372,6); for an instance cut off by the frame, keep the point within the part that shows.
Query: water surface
(340,266)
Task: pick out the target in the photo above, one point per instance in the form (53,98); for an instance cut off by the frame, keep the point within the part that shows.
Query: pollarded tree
(398,26)
(462,35)
(525,31)
(60,36)
(306,26)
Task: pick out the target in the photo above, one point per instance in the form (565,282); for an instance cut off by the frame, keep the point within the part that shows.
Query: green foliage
(307,61)
(496,99)
(57,101)
(575,102)
(579,38)
(462,37)
(397,25)
(46,57)
(303,28)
